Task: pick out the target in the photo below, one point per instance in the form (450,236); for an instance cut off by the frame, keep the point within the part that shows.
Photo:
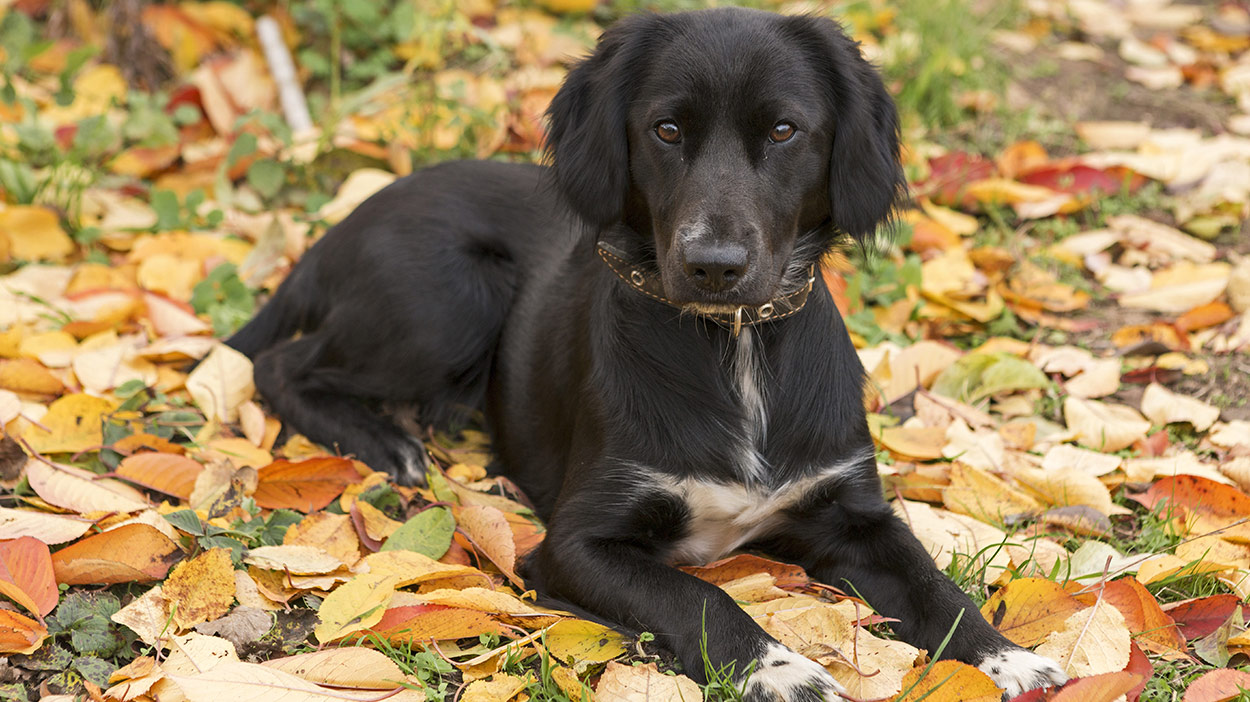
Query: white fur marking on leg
(1019,670)
(785,676)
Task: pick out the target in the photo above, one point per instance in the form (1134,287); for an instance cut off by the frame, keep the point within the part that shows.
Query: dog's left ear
(866,180)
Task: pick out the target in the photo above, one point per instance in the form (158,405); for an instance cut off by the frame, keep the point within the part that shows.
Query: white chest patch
(748,373)
(724,516)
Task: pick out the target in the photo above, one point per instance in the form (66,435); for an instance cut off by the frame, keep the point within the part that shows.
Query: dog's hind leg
(304,394)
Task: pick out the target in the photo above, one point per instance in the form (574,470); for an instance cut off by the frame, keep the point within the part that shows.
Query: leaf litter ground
(1057,349)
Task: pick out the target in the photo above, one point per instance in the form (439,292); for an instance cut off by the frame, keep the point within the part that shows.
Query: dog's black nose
(715,267)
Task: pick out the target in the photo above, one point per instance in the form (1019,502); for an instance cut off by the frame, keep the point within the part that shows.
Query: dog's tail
(293,308)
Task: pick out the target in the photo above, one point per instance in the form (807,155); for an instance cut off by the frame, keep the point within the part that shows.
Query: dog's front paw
(781,675)
(1018,670)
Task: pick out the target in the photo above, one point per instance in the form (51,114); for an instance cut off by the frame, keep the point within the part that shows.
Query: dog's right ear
(587,143)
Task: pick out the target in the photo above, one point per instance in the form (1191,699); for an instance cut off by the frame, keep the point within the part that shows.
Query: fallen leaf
(1090,642)
(34,234)
(73,423)
(1028,610)
(418,623)
(306,486)
(578,643)
(500,688)
(52,529)
(222,382)
(130,553)
(428,532)
(168,473)
(1107,687)
(950,681)
(250,681)
(1217,686)
(352,668)
(356,605)
(81,490)
(200,589)
(489,533)
(304,560)
(1152,628)
(1102,426)
(644,683)
(26,575)
(20,634)
(1199,616)
(1162,406)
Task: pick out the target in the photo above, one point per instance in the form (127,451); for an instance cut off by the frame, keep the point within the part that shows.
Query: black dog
(662,371)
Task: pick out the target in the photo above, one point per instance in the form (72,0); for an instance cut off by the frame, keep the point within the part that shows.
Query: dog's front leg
(604,552)
(847,536)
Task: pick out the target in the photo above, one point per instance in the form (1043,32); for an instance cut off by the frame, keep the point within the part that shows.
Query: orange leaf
(918,443)
(744,564)
(1028,609)
(1159,332)
(1218,685)
(1156,631)
(169,473)
(28,377)
(417,623)
(20,634)
(143,161)
(490,534)
(1098,688)
(306,486)
(147,442)
(1021,157)
(1204,316)
(1212,500)
(130,553)
(26,574)
(951,681)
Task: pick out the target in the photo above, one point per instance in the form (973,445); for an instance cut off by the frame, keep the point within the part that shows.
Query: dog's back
(420,277)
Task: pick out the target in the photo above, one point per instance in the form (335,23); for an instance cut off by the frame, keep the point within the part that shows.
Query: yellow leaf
(577,641)
(1093,641)
(304,560)
(1068,486)
(356,605)
(354,668)
(412,567)
(1027,610)
(201,589)
(984,496)
(500,688)
(35,234)
(251,682)
(1162,406)
(74,423)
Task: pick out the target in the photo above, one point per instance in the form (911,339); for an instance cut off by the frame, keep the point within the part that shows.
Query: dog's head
(732,139)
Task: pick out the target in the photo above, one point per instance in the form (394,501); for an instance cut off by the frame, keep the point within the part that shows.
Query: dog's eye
(668,132)
(782,131)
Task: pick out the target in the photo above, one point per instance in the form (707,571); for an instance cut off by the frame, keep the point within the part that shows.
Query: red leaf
(950,173)
(1138,663)
(1079,179)
(1202,615)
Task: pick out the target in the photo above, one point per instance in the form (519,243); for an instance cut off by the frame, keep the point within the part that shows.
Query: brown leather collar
(649,284)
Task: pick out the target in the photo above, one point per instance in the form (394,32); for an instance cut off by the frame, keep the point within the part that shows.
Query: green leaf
(227,301)
(980,375)
(245,145)
(276,525)
(267,176)
(86,617)
(186,520)
(168,212)
(96,670)
(428,533)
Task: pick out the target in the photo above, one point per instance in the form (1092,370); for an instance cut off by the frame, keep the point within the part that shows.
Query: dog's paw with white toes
(1018,670)
(781,675)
